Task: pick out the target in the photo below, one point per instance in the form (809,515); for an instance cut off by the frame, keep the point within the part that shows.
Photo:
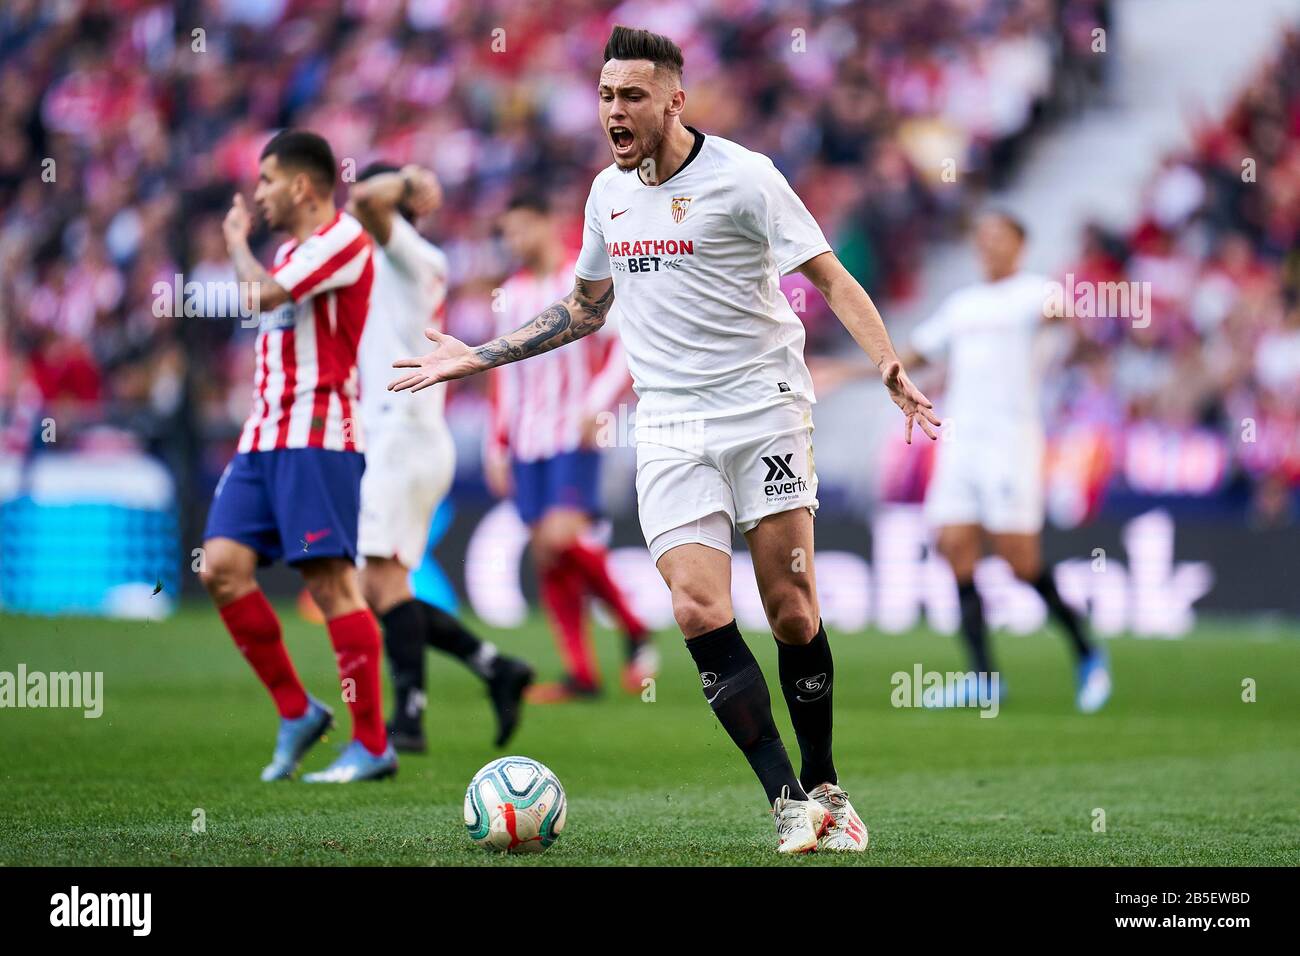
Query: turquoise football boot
(356,763)
(295,738)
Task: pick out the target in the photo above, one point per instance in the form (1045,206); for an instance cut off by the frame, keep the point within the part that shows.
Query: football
(515,805)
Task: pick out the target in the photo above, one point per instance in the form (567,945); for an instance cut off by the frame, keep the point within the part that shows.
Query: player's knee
(793,617)
(384,585)
(1025,569)
(697,613)
(544,554)
(376,592)
(224,578)
(333,587)
(949,549)
(548,542)
(960,555)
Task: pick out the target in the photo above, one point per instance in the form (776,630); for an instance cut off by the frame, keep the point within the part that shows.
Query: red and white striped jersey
(539,404)
(305,386)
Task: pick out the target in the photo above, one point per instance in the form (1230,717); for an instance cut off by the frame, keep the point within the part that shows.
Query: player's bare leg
(781,546)
(354,633)
(699,578)
(228,570)
(1023,552)
(229,574)
(384,583)
(409,625)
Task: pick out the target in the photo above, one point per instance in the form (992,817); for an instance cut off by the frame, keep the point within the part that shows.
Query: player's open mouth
(622,139)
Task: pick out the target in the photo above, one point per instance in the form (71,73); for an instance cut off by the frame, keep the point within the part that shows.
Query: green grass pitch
(1185,771)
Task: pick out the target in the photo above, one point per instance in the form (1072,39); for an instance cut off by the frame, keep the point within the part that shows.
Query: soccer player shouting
(292,490)
(693,232)
(399,493)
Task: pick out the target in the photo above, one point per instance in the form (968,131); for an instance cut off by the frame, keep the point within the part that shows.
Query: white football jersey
(987,333)
(696,263)
(410,286)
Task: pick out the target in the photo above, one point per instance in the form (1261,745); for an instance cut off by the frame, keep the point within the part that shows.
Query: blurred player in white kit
(401,491)
(988,477)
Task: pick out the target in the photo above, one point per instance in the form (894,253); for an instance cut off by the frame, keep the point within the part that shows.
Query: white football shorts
(743,466)
(995,481)
(409,469)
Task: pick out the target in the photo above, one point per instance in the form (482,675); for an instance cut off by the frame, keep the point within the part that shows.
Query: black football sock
(404,644)
(736,690)
(973,627)
(449,635)
(807,675)
(1070,619)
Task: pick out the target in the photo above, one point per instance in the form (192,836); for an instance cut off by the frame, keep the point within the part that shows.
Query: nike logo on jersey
(614,215)
(715,694)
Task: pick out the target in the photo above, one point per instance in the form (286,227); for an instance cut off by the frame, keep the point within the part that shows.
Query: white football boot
(848,833)
(799,823)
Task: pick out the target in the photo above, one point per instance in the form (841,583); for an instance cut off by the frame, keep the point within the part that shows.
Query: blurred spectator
(1209,392)
(125,125)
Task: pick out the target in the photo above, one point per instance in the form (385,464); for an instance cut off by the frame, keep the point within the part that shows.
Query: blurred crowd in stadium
(125,126)
(1204,394)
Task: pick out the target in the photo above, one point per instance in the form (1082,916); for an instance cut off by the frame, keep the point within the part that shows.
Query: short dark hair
(625,43)
(531,200)
(377,168)
(304,151)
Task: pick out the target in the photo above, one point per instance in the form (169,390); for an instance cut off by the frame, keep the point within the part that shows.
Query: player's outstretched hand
(918,409)
(451,358)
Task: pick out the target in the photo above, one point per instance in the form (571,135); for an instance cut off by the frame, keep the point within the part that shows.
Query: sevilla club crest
(680,205)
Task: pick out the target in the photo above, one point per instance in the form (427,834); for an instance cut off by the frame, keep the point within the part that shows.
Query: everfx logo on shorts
(778,468)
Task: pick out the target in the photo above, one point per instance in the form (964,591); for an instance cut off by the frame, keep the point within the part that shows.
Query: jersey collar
(322,228)
(695,151)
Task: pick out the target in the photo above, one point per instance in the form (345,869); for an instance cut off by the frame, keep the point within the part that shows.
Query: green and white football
(515,805)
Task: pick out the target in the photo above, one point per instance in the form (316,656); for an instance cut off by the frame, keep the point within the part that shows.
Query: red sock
(592,563)
(251,621)
(562,598)
(357,644)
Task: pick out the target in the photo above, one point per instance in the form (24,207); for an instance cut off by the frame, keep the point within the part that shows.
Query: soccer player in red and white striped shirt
(292,491)
(541,449)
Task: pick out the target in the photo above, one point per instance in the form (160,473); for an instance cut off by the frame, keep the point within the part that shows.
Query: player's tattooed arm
(572,318)
(857,313)
(568,320)
(258,288)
